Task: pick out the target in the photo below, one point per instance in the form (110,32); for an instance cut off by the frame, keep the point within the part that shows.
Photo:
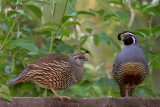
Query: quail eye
(80,57)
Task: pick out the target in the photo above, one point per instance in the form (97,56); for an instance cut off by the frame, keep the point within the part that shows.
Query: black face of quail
(128,38)
(130,66)
(54,71)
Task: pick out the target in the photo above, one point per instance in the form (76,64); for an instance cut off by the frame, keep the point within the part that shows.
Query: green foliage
(32,28)
(4,92)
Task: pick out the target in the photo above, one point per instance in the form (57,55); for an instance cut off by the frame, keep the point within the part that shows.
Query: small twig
(42,13)
(77,32)
(8,35)
(53,12)
(16,18)
(54,9)
(106,6)
(132,15)
(13,63)
(3,5)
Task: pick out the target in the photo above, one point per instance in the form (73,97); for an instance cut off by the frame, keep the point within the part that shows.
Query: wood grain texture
(80,102)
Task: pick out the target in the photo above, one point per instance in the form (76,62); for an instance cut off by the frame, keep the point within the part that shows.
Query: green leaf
(4,26)
(89,30)
(116,44)
(109,83)
(105,38)
(2,16)
(14,12)
(134,4)
(143,32)
(30,47)
(25,14)
(143,91)
(86,85)
(21,40)
(72,1)
(156,30)
(65,18)
(100,12)
(78,90)
(115,2)
(41,2)
(60,3)
(151,9)
(98,90)
(85,12)
(63,48)
(96,39)
(122,17)
(83,40)
(71,23)
(65,32)
(48,29)
(11,13)
(4,92)
(107,17)
(52,23)
(157,61)
(72,12)
(36,10)
(148,7)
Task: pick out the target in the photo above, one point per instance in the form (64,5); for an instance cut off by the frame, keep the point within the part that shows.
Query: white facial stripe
(128,33)
(134,40)
(76,56)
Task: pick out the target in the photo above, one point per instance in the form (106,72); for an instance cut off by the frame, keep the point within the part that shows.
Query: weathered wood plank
(80,102)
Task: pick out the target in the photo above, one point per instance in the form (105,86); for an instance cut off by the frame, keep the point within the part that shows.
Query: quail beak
(124,37)
(86,59)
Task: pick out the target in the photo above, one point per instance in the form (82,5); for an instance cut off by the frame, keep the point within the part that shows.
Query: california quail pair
(57,71)
(130,66)
(54,71)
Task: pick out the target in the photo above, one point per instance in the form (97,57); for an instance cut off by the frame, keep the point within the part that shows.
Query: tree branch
(132,15)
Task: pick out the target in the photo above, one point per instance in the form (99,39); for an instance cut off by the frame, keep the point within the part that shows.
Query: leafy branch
(52,38)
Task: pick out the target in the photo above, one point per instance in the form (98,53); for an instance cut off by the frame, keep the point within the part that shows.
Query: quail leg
(57,96)
(127,96)
(135,94)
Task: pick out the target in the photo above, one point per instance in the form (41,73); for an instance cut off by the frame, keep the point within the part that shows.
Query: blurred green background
(33,28)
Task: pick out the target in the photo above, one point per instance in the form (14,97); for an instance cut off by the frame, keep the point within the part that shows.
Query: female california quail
(130,66)
(54,71)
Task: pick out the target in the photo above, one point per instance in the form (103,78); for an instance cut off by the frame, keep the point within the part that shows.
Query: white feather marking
(134,40)
(49,68)
(128,33)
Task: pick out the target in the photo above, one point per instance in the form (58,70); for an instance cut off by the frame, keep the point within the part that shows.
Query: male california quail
(130,66)
(54,71)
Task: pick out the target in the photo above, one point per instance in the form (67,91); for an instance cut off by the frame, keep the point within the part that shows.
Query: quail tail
(20,78)
(126,92)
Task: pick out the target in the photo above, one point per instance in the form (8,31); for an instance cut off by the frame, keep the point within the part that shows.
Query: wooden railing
(80,102)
